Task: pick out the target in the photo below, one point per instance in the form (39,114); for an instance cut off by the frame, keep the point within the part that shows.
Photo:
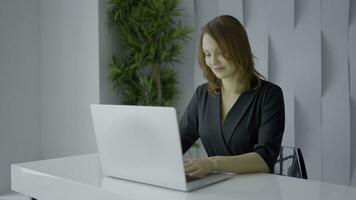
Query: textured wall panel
(352,68)
(256,24)
(352,13)
(335,92)
(231,7)
(281,57)
(307,84)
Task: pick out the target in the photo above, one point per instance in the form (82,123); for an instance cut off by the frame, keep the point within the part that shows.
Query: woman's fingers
(197,173)
(188,163)
(191,168)
(196,168)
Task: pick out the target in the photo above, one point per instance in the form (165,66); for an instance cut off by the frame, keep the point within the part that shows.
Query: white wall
(308,48)
(352,66)
(69,75)
(19,85)
(49,75)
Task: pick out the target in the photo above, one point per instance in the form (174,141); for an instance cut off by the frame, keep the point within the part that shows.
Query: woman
(238,115)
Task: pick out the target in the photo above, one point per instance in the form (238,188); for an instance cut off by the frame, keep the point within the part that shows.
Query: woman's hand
(198,168)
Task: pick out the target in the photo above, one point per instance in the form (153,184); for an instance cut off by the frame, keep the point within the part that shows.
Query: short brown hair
(232,39)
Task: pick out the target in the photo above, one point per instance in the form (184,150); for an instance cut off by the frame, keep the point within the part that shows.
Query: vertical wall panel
(352,69)
(307,84)
(231,7)
(335,92)
(281,57)
(256,24)
(352,13)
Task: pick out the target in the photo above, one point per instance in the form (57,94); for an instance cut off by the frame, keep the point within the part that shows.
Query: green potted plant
(152,39)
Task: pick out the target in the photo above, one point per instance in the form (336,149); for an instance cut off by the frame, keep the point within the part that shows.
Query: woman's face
(215,59)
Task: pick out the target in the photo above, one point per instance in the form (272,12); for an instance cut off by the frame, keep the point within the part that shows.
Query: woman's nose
(214,60)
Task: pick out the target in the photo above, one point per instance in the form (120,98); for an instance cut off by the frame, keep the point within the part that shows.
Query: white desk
(80,177)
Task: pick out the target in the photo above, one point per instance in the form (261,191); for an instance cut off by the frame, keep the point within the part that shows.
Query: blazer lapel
(220,145)
(236,113)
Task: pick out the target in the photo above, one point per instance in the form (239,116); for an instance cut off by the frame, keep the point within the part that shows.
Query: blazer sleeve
(188,125)
(271,129)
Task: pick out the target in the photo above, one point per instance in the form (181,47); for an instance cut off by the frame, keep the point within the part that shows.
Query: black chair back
(290,162)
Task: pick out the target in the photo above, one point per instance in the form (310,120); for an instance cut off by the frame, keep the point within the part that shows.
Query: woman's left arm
(271,129)
(244,163)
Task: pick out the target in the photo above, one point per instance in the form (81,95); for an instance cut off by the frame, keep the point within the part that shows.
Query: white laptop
(142,144)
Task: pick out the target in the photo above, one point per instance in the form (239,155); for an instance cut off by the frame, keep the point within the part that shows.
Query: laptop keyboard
(191,178)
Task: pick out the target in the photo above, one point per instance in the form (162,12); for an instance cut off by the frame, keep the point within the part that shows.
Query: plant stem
(156,76)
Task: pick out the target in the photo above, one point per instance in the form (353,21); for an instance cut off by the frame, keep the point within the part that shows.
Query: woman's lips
(218,68)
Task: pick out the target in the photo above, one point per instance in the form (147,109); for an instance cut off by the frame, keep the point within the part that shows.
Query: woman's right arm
(188,125)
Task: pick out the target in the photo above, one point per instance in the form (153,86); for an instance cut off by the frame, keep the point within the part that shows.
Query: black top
(255,123)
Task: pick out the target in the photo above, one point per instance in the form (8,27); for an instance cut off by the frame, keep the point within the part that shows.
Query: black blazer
(255,123)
